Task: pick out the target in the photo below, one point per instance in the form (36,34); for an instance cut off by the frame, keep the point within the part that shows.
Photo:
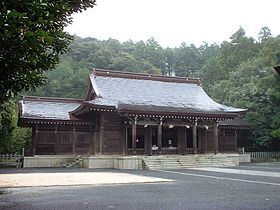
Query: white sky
(175,21)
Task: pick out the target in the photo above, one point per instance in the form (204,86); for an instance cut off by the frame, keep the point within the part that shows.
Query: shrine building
(130,115)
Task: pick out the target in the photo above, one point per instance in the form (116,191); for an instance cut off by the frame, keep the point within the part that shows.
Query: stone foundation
(117,162)
(244,158)
(134,162)
(47,161)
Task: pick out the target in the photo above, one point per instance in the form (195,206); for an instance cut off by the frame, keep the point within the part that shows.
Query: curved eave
(191,115)
(86,107)
(95,106)
(77,111)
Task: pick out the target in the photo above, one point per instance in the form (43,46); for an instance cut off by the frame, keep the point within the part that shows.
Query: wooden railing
(11,160)
(260,155)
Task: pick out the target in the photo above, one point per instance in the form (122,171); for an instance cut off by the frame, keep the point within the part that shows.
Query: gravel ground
(77,178)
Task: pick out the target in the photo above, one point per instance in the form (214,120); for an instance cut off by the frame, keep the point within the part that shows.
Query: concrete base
(47,161)
(131,162)
(233,156)
(244,158)
(117,162)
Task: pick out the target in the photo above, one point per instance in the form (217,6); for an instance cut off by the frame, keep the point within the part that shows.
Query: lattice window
(82,138)
(64,138)
(229,132)
(45,137)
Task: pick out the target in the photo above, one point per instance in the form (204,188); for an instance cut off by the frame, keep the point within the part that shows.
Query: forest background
(238,73)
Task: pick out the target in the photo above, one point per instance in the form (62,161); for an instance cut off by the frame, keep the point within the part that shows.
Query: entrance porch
(170,139)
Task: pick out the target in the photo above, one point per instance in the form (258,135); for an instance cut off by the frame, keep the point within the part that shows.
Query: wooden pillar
(74,137)
(101,134)
(216,142)
(147,140)
(134,138)
(235,140)
(55,139)
(159,139)
(101,137)
(194,132)
(184,141)
(92,146)
(35,139)
(205,142)
(125,141)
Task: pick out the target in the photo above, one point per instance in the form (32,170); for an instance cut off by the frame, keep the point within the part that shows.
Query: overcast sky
(175,21)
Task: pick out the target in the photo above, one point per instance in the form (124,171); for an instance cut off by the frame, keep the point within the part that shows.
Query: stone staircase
(76,163)
(186,161)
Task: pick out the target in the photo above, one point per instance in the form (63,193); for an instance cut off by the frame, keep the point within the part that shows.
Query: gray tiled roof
(237,121)
(149,95)
(47,109)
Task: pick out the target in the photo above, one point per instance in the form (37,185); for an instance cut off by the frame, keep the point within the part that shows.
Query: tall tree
(264,34)
(31,39)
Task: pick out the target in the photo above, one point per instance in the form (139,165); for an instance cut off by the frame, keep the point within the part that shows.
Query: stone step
(168,162)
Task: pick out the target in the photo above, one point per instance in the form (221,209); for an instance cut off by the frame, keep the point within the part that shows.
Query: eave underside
(29,121)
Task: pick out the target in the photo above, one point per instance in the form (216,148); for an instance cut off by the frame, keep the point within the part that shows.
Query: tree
(188,61)
(31,40)
(238,35)
(264,34)
(12,138)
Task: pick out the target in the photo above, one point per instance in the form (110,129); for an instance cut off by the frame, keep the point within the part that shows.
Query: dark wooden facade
(113,135)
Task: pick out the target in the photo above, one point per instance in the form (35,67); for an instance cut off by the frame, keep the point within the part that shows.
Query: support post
(147,140)
(125,142)
(216,142)
(74,139)
(35,139)
(184,142)
(194,132)
(55,139)
(101,135)
(159,139)
(149,144)
(235,140)
(134,138)
(206,141)
(92,146)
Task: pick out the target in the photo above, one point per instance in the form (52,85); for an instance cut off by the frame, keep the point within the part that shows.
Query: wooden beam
(216,141)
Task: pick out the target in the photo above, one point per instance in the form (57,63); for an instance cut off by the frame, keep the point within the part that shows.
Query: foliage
(31,39)
(12,137)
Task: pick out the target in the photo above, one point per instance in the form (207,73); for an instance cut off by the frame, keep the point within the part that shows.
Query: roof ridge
(52,99)
(145,76)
